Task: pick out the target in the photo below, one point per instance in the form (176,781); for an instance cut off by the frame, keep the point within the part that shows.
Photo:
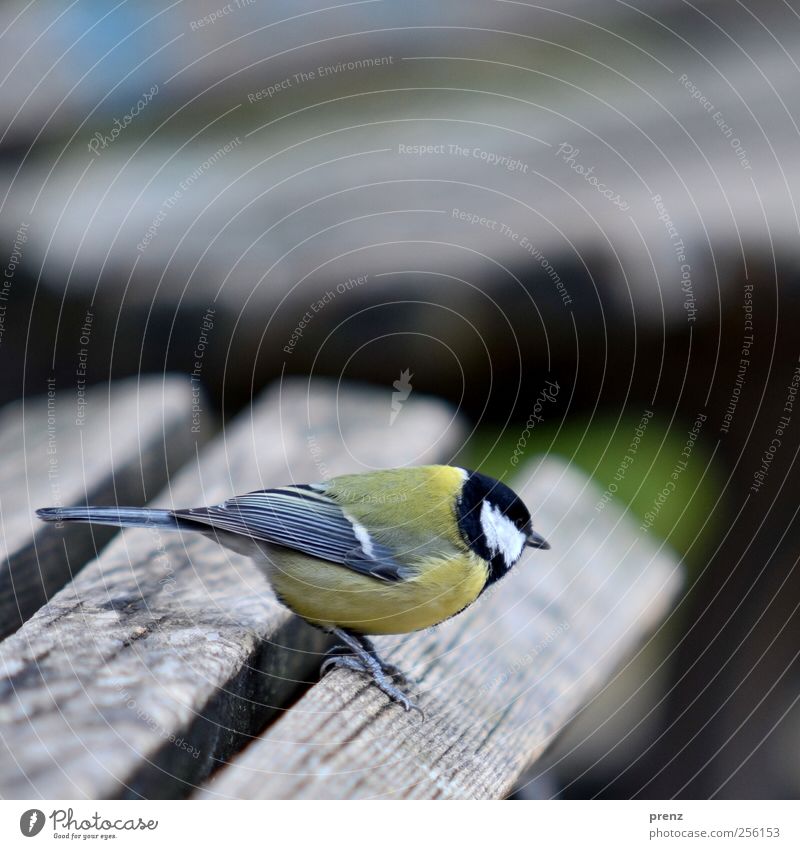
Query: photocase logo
(400,396)
(31,822)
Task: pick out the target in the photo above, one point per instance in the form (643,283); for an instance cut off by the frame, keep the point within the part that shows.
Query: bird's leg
(365,659)
(389,668)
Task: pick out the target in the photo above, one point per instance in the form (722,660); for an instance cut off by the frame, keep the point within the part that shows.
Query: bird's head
(495,523)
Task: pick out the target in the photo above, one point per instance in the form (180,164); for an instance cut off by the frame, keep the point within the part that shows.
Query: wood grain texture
(167,653)
(119,443)
(497,683)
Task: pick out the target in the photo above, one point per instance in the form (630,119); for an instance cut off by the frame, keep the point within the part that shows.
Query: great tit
(384,552)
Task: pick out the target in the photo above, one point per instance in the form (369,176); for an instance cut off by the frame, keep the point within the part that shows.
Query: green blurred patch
(600,447)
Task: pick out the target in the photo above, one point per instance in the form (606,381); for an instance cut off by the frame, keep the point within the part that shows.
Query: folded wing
(302,518)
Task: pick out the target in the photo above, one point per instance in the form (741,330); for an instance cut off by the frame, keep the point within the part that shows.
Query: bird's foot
(358,654)
(379,679)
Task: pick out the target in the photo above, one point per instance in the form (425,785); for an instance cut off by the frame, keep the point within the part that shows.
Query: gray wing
(304,519)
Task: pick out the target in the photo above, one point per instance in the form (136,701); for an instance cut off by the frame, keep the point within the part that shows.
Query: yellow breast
(328,594)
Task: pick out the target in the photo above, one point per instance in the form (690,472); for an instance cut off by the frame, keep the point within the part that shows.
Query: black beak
(536,541)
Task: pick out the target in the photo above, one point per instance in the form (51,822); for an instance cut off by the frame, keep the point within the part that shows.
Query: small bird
(383,552)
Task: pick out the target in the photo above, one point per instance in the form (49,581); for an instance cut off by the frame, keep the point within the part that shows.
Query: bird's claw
(407,704)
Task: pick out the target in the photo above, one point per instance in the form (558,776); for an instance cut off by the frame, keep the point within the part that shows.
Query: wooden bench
(165,668)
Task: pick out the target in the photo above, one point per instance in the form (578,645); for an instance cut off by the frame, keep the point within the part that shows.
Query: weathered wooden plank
(66,448)
(167,653)
(497,683)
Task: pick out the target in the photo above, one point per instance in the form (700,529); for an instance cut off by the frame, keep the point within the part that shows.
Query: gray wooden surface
(497,683)
(130,436)
(167,653)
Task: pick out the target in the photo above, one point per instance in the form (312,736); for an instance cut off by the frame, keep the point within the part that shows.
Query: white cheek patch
(502,535)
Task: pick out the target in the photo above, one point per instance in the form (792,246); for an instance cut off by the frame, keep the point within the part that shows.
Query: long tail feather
(122,517)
